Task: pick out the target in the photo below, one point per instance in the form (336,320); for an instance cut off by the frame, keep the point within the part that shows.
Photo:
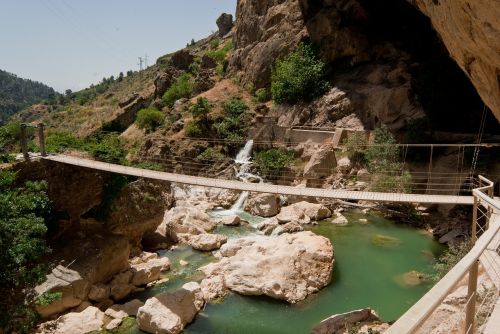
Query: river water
(371,254)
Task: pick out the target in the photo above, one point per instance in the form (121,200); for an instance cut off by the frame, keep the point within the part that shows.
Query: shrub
(271,162)
(383,152)
(181,88)
(10,134)
(261,95)
(193,129)
(60,141)
(234,124)
(201,108)
(210,155)
(219,55)
(450,258)
(298,77)
(214,43)
(149,119)
(22,236)
(235,107)
(355,145)
(108,149)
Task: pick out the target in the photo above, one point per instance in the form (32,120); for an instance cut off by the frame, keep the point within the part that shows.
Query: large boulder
(89,320)
(133,221)
(207,242)
(337,323)
(169,313)
(264,205)
(70,284)
(181,221)
(303,212)
(164,80)
(147,270)
(322,163)
(225,24)
(182,59)
(287,267)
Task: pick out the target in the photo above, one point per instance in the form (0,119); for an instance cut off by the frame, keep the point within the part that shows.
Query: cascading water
(243,160)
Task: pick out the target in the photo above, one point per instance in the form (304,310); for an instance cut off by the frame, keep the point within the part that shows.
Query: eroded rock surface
(287,267)
(263,205)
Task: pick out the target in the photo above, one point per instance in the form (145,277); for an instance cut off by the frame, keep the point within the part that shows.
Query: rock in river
(287,267)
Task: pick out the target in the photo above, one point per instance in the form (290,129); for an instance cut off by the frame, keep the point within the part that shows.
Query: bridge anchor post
(41,139)
(24,142)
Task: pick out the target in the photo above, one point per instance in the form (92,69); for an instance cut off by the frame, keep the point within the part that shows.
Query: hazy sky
(73,43)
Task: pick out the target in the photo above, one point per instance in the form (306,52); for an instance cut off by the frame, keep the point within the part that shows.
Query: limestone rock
(337,323)
(115,323)
(130,308)
(99,292)
(291,227)
(475,49)
(207,241)
(303,213)
(170,312)
(267,226)
(185,220)
(292,213)
(70,283)
(340,219)
(225,24)
(147,270)
(231,221)
(128,99)
(287,267)
(264,205)
(164,80)
(322,163)
(182,59)
(89,320)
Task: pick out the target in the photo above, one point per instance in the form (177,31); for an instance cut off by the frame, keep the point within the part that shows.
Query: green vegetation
(17,94)
(48,298)
(149,119)
(214,43)
(22,239)
(219,55)
(271,162)
(181,88)
(450,258)
(261,95)
(234,122)
(355,145)
(193,129)
(10,135)
(60,141)
(298,77)
(201,108)
(210,155)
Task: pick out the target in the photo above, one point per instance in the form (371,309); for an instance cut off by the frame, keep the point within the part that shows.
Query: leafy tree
(108,148)
(181,88)
(355,145)
(193,129)
(298,77)
(22,240)
(234,122)
(383,154)
(120,77)
(271,162)
(130,73)
(149,119)
(261,95)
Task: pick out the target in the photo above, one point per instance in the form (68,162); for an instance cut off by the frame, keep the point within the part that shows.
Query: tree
(68,92)
(298,77)
(130,73)
(22,240)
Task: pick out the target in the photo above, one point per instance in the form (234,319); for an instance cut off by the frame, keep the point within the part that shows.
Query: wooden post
(470,315)
(473,237)
(41,139)
(24,142)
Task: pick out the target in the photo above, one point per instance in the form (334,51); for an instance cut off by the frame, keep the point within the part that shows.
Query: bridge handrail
(410,321)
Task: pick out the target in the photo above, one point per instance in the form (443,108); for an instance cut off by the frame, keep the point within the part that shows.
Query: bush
(201,108)
(383,153)
(210,155)
(219,55)
(22,238)
(355,146)
(235,107)
(214,43)
(193,129)
(149,119)
(108,149)
(10,134)
(450,258)
(181,88)
(261,95)
(273,161)
(234,124)
(60,141)
(298,77)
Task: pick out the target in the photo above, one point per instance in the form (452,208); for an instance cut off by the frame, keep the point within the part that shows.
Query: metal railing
(485,228)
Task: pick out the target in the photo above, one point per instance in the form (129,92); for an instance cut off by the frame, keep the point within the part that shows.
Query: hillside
(17,93)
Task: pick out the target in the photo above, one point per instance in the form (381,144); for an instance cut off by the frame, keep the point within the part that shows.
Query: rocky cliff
(386,63)
(470,29)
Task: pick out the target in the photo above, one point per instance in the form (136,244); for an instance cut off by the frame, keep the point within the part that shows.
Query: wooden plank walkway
(262,187)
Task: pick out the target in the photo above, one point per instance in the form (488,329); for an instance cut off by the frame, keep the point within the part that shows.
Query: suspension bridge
(478,313)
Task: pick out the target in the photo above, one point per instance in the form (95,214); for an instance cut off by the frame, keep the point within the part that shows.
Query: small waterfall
(243,159)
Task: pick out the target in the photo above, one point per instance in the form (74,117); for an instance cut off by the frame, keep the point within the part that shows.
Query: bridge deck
(262,187)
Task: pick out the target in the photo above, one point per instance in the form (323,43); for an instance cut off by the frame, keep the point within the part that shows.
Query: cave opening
(445,92)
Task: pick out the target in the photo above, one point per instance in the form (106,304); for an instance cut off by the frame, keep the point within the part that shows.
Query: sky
(69,44)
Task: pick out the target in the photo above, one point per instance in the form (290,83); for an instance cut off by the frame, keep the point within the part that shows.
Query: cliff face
(470,29)
(384,59)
